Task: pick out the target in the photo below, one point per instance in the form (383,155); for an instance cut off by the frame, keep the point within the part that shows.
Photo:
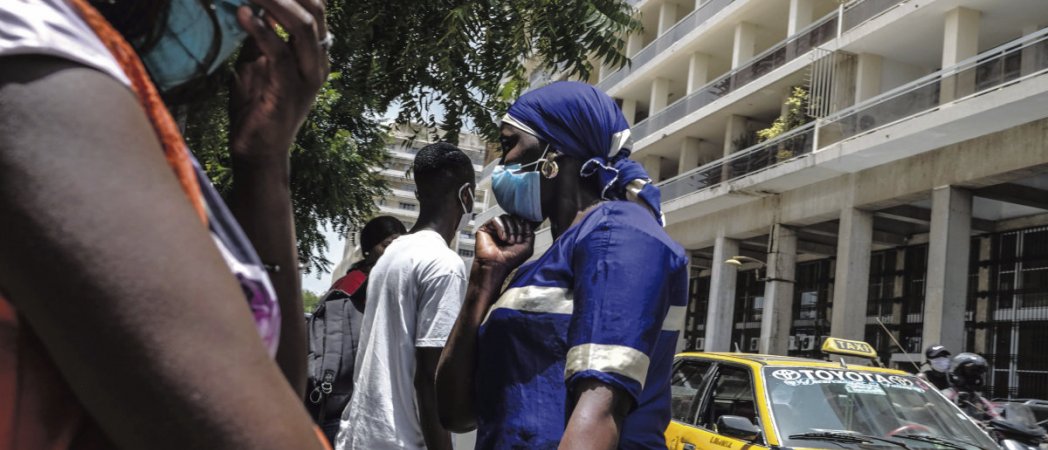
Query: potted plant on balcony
(796,114)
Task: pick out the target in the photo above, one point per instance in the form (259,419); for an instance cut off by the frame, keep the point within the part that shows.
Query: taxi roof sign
(847,347)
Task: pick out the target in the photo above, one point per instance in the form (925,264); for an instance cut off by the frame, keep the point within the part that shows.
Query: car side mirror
(737,427)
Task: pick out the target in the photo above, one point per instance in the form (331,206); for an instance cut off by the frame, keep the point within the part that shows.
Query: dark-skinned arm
(437,438)
(596,420)
(145,321)
(454,380)
(502,245)
(270,98)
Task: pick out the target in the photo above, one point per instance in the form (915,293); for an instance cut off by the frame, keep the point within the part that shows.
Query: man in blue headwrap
(577,351)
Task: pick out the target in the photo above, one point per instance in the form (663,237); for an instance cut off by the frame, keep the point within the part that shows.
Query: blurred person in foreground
(577,351)
(414,294)
(176,321)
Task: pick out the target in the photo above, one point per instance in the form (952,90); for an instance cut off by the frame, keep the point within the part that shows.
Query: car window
(686,387)
(732,394)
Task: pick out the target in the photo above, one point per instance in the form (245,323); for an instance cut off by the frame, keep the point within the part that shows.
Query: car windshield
(807,401)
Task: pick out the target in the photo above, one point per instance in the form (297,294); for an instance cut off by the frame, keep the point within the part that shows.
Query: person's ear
(466,197)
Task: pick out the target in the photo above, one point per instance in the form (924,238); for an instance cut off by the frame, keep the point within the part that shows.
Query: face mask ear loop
(465,210)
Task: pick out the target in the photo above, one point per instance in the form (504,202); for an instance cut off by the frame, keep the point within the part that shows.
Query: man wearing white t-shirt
(414,295)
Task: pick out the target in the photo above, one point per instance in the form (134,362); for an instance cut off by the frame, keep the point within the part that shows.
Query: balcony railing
(789,145)
(788,50)
(861,11)
(988,71)
(1010,63)
(663,42)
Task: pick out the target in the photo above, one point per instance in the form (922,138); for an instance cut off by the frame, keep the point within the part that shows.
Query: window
(407,206)
(732,396)
(686,385)
(466,253)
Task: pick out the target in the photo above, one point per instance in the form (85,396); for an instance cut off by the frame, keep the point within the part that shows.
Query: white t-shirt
(414,296)
(52,27)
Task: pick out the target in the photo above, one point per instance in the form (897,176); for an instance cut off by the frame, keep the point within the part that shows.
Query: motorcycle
(1016,427)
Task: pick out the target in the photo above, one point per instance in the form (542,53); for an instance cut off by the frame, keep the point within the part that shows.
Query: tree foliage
(310,300)
(440,64)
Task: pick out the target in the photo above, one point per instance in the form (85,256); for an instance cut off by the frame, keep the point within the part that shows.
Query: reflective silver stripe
(674,318)
(620,359)
(539,299)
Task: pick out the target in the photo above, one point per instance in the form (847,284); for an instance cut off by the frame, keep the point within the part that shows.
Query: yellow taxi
(749,401)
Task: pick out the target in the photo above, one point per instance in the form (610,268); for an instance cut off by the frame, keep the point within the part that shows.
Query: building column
(868,76)
(946,288)
(852,278)
(744,46)
(735,129)
(653,165)
(629,110)
(698,71)
(778,292)
(802,14)
(721,310)
(960,42)
(690,151)
(634,43)
(667,16)
(660,95)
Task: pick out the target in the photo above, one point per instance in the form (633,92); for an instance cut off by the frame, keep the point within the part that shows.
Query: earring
(549,168)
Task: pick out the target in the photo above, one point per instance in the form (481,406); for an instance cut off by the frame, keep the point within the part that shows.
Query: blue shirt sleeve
(620,301)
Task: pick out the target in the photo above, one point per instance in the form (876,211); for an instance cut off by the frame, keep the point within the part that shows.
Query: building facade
(878,164)
(401,203)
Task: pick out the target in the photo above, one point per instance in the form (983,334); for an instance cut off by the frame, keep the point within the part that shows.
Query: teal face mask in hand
(188,47)
(518,192)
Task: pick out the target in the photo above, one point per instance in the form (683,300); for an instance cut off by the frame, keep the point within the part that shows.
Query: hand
(504,242)
(276,82)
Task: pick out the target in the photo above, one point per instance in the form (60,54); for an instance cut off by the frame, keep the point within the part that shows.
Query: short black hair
(377,230)
(441,168)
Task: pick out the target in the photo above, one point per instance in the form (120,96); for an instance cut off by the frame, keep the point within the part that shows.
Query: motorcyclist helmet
(967,371)
(936,351)
(938,358)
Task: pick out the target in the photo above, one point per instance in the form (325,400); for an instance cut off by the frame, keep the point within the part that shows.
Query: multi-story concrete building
(401,202)
(871,161)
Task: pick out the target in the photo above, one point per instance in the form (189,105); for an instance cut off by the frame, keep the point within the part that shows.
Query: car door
(731,391)
(688,383)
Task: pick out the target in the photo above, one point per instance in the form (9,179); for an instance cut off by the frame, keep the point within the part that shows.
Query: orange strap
(166,129)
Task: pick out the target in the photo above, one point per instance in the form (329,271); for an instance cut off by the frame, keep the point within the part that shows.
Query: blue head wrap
(579,120)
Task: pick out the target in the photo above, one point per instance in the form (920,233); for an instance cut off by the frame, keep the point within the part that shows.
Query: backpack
(334,334)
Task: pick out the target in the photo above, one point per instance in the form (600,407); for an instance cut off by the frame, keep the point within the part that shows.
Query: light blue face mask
(181,53)
(518,192)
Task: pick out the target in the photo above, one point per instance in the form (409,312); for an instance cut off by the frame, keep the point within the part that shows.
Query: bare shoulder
(45,99)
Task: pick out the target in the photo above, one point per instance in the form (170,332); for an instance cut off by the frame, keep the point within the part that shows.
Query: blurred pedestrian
(577,351)
(376,235)
(414,294)
(160,331)
(334,330)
